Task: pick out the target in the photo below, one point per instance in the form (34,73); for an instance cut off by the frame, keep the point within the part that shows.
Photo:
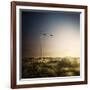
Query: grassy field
(50,67)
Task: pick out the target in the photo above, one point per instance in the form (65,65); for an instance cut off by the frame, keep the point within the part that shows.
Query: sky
(50,33)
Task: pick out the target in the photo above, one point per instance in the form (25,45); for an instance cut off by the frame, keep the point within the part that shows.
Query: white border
(55,79)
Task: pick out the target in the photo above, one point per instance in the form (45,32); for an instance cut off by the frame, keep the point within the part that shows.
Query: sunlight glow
(65,42)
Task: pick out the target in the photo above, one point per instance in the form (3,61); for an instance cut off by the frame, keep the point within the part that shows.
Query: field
(50,67)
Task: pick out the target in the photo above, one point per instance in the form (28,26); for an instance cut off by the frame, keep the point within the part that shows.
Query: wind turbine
(41,37)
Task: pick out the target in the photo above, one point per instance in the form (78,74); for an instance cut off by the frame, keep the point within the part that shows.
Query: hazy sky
(64,26)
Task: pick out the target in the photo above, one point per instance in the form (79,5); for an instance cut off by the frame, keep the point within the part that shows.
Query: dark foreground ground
(50,67)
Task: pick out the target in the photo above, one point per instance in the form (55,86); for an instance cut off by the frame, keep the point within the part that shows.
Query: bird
(44,34)
(51,35)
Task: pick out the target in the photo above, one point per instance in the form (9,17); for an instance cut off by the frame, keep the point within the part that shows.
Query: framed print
(48,44)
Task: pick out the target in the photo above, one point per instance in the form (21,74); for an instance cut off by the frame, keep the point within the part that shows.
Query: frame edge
(13,45)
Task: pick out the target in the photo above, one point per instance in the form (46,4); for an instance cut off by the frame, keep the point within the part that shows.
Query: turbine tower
(44,35)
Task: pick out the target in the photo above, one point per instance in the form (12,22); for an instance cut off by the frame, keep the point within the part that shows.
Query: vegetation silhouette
(50,67)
